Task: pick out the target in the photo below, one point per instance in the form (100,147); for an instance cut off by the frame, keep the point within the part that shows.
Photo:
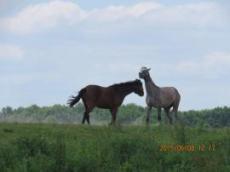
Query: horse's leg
(114,114)
(159,114)
(168,115)
(176,105)
(148,114)
(84,117)
(88,109)
(87,118)
(175,109)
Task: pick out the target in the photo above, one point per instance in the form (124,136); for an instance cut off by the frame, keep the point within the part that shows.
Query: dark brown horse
(110,97)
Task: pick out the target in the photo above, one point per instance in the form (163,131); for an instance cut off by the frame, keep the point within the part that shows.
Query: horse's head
(138,88)
(144,72)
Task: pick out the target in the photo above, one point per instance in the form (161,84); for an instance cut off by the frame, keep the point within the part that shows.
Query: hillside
(128,114)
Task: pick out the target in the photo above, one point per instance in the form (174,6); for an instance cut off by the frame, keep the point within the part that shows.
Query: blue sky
(51,49)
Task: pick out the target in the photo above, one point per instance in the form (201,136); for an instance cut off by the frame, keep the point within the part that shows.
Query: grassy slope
(50,147)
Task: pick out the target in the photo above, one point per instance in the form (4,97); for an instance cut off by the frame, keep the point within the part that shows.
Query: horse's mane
(124,84)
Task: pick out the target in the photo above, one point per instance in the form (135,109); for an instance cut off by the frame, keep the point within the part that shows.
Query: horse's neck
(151,88)
(125,91)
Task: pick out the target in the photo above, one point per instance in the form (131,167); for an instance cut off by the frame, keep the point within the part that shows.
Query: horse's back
(96,87)
(172,91)
(92,92)
(100,96)
(169,94)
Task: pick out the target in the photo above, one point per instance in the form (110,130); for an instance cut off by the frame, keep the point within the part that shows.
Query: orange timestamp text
(186,147)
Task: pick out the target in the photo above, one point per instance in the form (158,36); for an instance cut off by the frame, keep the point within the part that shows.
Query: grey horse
(159,97)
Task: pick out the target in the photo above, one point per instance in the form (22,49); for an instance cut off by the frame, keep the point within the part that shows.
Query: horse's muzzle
(141,93)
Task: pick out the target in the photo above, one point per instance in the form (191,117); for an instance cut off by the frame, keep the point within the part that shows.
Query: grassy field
(50,147)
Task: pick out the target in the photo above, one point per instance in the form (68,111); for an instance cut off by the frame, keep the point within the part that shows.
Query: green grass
(50,147)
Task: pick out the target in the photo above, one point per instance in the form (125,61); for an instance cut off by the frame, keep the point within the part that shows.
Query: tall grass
(66,148)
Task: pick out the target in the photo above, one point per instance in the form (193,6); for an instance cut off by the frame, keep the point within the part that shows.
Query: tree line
(128,114)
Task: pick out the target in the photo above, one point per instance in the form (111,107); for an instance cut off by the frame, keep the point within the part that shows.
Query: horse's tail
(74,99)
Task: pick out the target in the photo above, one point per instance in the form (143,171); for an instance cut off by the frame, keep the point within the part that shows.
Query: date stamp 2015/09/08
(187,147)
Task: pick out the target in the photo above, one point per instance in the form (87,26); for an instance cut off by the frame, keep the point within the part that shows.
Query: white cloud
(113,13)
(200,14)
(41,16)
(10,52)
(47,15)
(212,65)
